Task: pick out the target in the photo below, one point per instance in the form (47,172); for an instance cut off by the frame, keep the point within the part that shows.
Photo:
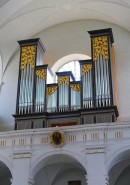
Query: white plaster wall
(65,39)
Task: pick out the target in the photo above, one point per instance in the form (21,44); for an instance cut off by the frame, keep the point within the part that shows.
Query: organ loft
(42,103)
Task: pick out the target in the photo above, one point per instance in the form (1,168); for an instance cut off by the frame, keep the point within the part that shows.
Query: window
(67,62)
(72,66)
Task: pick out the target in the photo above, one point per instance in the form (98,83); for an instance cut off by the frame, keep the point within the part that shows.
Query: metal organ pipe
(102,82)
(25,96)
(40,90)
(87,86)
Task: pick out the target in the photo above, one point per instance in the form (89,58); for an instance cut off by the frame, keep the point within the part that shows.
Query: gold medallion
(57,138)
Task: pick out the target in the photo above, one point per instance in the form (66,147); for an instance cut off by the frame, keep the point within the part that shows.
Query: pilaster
(96,171)
(21,165)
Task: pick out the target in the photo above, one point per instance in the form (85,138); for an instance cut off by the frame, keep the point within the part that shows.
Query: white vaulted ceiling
(24,19)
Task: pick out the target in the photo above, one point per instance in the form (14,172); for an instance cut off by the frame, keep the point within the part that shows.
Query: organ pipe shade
(100,46)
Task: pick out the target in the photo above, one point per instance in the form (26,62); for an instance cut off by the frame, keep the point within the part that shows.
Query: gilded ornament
(64,79)
(76,87)
(86,68)
(100,46)
(51,90)
(56,138)
(28,56)
(41,73)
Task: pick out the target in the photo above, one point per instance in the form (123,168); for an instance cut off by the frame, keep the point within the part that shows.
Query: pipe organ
(41,103)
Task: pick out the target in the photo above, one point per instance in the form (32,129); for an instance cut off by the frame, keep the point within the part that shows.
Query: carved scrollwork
(100,46)
(41,73)
(64,79)
(76,87)
(86,68)
(51,90)
(28,56)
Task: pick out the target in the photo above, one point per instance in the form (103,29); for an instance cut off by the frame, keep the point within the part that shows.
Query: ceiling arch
(29,17)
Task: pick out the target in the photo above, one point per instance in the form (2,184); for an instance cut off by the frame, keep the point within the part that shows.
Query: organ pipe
(40,101)
(52,97)
(86,76)
(75,95)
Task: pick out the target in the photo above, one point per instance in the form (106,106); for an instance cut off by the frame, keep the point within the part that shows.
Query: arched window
(69,63)
(72,66)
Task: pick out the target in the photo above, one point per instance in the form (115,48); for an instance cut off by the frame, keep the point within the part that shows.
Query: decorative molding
(86,68)
(41,73)
(75,87)
(100,46)
(95,149)
(64,79)
(56,138)
(28,56)
(51,90)
(21,154)
(31,181)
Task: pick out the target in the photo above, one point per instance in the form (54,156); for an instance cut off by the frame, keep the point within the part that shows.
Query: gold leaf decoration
(86,68)
(64,79)
(41,73)
(100,46)
(28,56)
(51,90)
(76,87)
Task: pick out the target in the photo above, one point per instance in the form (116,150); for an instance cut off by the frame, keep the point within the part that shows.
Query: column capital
(11,180)
(86,177)
(31,181)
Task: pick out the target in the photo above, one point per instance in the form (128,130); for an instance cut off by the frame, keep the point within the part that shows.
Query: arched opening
(60,169)
(5,174)
(120,169)
(124,177)
(70,63)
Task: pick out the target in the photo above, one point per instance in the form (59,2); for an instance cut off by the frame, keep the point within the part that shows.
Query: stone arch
(72,168)
(7,163)
(6,170)
(115,157)
(42,160)
(119,159)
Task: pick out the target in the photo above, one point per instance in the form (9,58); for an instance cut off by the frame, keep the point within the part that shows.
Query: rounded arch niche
(53,166)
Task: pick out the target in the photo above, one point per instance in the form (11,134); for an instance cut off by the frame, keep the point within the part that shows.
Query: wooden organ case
(93,99)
